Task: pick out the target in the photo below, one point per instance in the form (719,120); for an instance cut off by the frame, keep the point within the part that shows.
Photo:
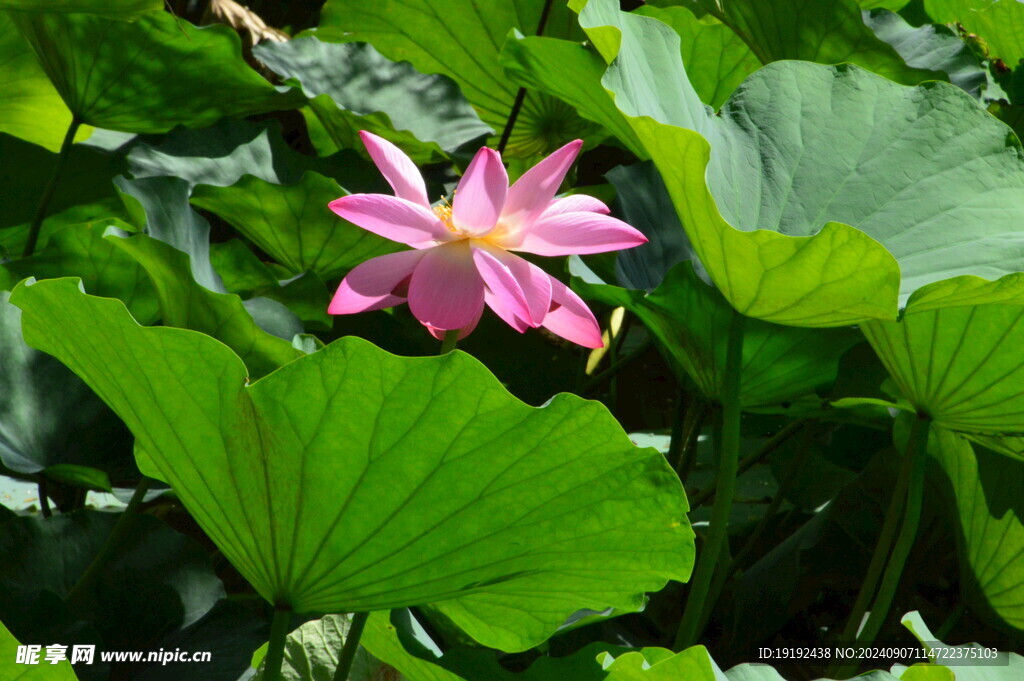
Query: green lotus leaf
(690,320)
(988,511)
(108,8)
(47,415)
(461,39)
(61,671)
(85,193)
(32,108)
(82,251)
(353,480)
(185,304)
(955,353)
(891,5)
(221,154)
(774,165)
(830,32)
(932,46)
(171,577)
(1006,667)
(716,56)
(292,223)
(999,23)
(353,87)
(150,74)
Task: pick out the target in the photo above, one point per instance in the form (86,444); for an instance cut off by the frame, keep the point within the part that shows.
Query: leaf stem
(279,627)
(44,499)
(51,186)
(917,447)
(517,105)
(910,477)
(111,545)
(773,443)
(699,598)
(348,651)
(451,338)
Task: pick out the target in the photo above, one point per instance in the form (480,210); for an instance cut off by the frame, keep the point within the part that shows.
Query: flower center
(444,211)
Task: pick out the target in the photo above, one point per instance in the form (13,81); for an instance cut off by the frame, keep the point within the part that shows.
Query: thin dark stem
(51,186)
(44,499)
(517,105)
(615,367)
(451,338)
(954,618)
(794,466)
(348,651)
(111,545)
(696,413)
(917,451)
(910,477)
(767,448)
(279,627)
(700,597)
(881,553)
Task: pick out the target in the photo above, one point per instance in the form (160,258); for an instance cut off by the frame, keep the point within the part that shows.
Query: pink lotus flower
(462,254)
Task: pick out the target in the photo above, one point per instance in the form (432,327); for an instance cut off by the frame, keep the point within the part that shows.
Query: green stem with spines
(700,597)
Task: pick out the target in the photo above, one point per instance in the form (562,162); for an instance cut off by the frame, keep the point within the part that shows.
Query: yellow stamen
(444,211)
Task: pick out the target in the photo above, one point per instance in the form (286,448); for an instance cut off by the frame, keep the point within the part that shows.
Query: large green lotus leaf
(646,205)
(47,415)
(714,54)
(955,353)
(830,32)
(931,46)
(61,671)
(572,73)
(461,39)
(690,320)
(107,8)
(353,480)
(148,75)
(1007,666)
(353,87)
(105,270)
(999,23)
(185,304)
(32,108)
(292,223)
(775,165)
(172,584)
(221,154)
(990,514)
(84,193)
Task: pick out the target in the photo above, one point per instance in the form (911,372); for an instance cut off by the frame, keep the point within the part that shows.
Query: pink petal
(439,334)
(570,318)
(393,218)
(578,233)
(371,285)
(532,193)
(577,203)
(503,294)
(533,281)
(446,291)
(480,195)
(397,168)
